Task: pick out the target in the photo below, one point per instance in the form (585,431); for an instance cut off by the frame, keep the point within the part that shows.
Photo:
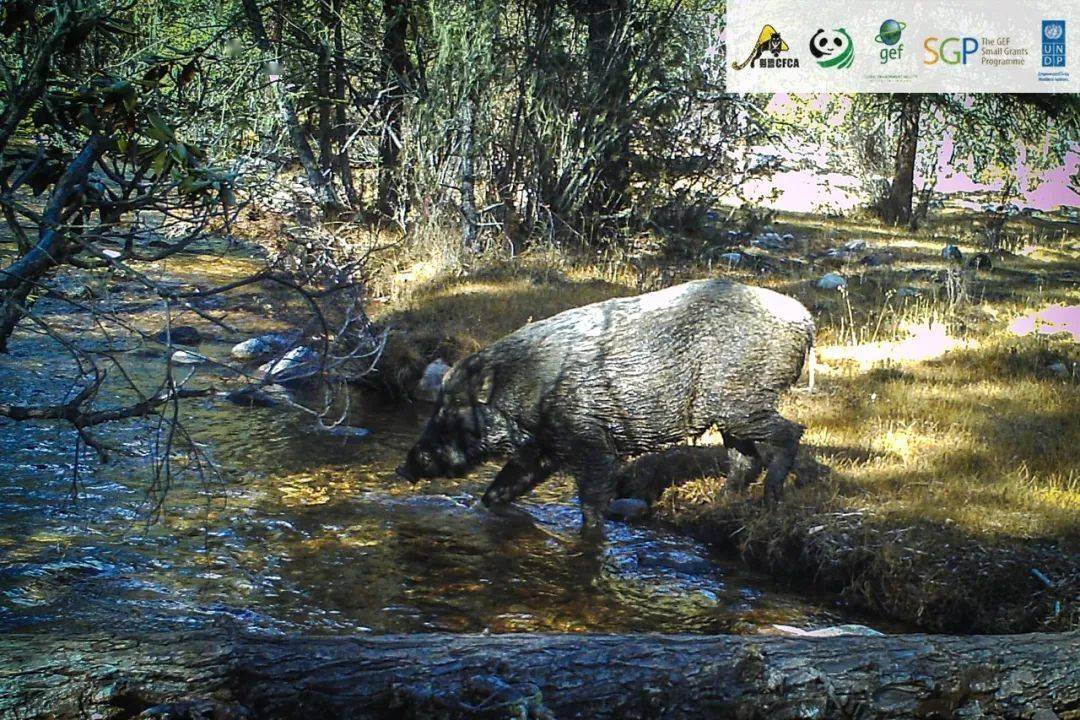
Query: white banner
(903,46)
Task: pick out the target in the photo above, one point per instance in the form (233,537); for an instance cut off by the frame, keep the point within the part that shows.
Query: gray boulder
(431,381)
(832,281)
(952,253)
(261,347)
(297,363)
(769,241)
(856,245)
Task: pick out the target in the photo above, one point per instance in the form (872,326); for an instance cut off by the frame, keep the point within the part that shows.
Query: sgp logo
(946,50)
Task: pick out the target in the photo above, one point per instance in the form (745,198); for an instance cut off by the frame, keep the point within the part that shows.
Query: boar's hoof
(403,472)
(772,496)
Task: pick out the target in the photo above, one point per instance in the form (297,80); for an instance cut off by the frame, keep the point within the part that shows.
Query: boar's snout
(423,462)
(431,460)
(418,464)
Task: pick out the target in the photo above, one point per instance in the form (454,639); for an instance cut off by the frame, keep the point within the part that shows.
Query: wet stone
(298,363)
(183,357)
(627,509)
(260,347)
(180,335)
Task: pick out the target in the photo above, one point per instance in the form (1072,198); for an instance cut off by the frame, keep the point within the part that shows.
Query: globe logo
(889,34)
(1053,31)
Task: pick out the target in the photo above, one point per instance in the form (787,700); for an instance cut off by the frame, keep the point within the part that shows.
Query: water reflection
(311,530)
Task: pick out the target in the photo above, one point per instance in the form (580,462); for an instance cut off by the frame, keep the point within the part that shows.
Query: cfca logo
(1053,43)
(833,49)
(768,43)
(889,35)
(951,51)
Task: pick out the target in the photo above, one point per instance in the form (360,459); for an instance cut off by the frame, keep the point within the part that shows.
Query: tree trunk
(609,125)
(897,208)
(18,279)
(541,676)
(341,82)
(396,71)
(323,87)
(319,182)
(470,216)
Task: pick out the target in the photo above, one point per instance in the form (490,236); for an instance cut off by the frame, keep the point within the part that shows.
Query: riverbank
(940,485)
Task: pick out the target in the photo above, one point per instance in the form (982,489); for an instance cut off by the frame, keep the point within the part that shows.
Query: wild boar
(590,387)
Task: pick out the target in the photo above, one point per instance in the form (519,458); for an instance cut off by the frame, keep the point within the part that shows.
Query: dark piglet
(590,387)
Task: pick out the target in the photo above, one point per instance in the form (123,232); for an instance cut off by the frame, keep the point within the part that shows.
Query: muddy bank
(929,576)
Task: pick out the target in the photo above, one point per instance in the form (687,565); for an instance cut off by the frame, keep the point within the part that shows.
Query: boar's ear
(483,382)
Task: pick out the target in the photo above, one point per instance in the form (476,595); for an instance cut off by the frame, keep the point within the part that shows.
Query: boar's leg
(777,438)
(597,485)
(744,462)
(522,473)
(786,443)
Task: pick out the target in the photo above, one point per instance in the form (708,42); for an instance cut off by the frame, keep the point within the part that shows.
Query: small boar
(648,476)
(589,387)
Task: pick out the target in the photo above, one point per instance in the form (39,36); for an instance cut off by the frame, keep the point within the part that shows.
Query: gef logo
(947,52)
(1053,43)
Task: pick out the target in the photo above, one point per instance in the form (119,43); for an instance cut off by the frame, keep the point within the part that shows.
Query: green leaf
(160,162)
(159,130)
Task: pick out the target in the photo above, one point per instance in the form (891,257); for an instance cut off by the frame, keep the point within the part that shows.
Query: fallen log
(202,675)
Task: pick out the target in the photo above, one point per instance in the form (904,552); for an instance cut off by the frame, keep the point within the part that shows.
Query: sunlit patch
(1049,321)
(925,341)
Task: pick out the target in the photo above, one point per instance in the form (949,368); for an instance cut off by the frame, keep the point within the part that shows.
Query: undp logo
(1053,43)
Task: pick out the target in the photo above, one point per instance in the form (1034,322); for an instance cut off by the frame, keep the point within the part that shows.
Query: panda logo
(833,49)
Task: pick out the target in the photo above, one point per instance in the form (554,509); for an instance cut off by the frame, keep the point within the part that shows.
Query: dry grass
(949,443)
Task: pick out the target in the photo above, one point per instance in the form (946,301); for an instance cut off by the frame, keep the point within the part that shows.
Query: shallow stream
(310,530)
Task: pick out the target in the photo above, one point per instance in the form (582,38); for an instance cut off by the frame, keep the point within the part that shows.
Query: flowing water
(310,530)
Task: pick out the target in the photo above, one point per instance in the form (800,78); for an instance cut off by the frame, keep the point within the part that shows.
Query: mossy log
(202,675)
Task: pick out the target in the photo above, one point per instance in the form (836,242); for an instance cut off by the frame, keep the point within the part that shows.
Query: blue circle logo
(889,34)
